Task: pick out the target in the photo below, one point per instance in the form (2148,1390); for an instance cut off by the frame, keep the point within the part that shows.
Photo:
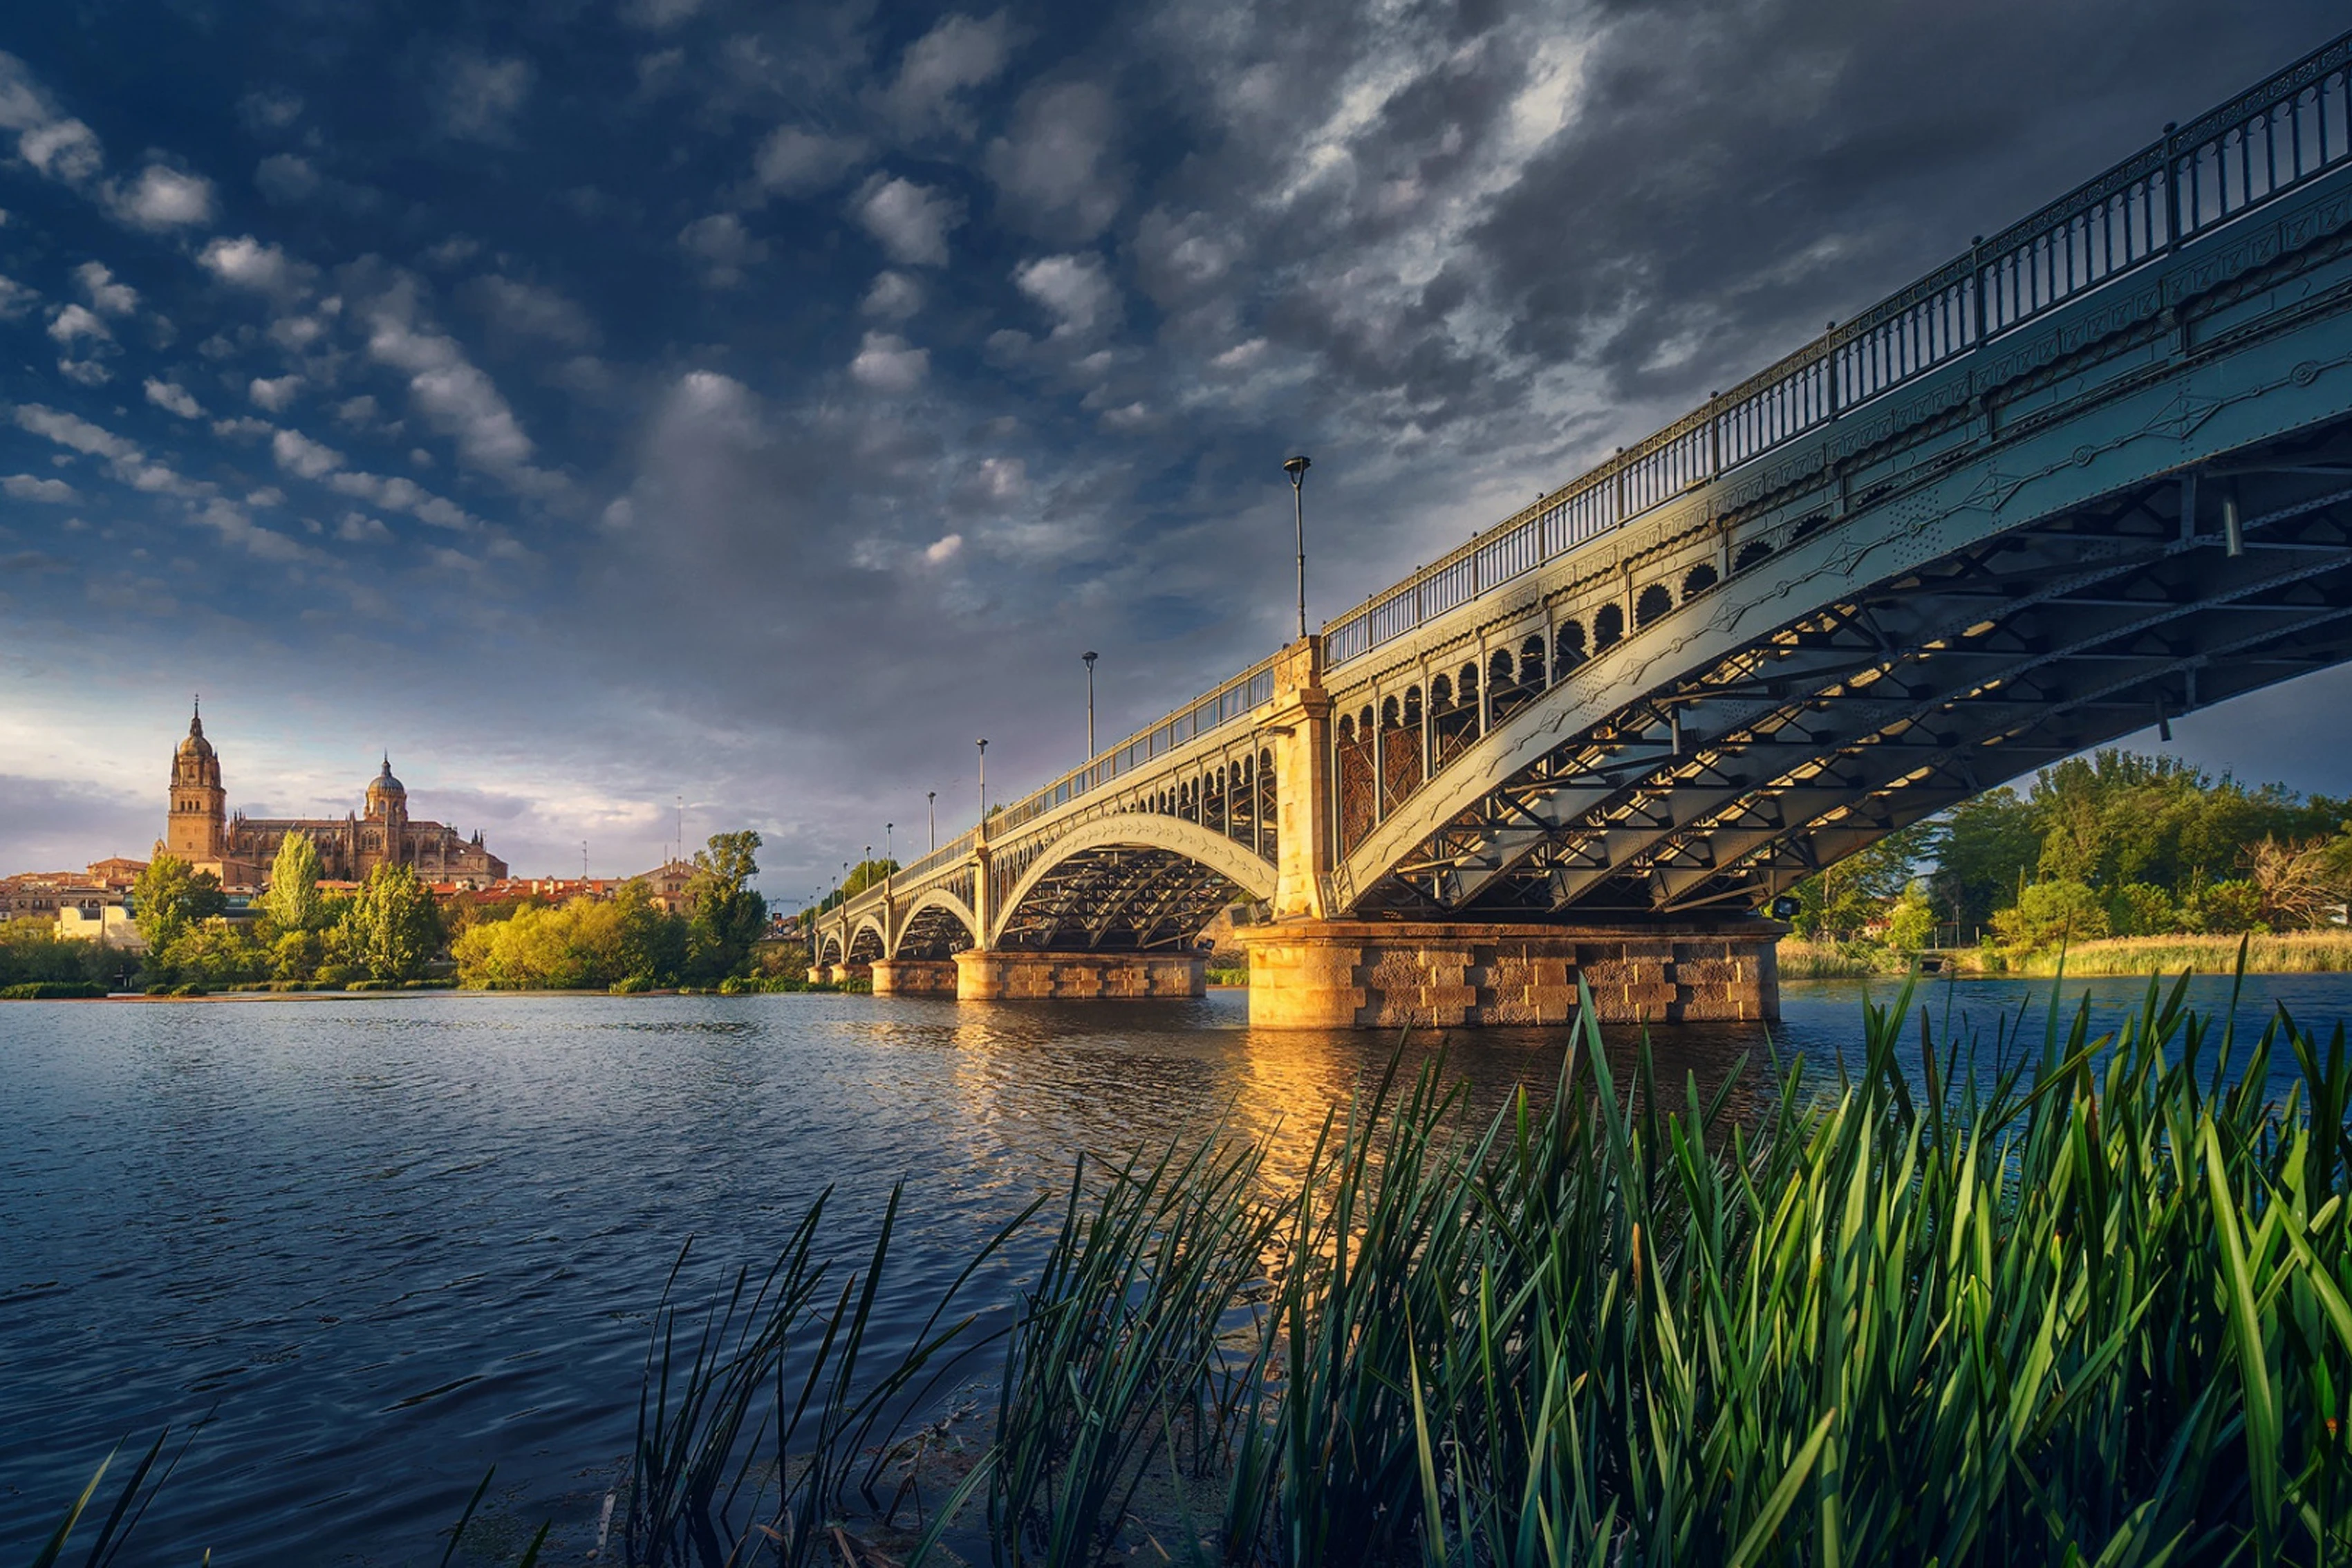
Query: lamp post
(1090,656)
(933,807)
(888,853)
(984,782)
(1297,468)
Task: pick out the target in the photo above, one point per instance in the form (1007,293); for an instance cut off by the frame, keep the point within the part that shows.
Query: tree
(2300,883)
(170,897)
(728,914)
(292,902)
(1835,905)
(1989,846)
(1911,924)
(2048,914)
(391,927)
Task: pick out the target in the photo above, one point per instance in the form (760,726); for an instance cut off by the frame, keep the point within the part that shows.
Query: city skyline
(608,406)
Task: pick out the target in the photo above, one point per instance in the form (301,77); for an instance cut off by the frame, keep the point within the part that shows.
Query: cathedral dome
(195,745)
(383,787)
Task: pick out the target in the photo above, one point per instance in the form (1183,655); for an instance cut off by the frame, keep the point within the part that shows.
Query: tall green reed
(2086,1306)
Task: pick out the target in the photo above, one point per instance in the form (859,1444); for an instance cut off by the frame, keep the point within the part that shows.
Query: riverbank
(2287,952)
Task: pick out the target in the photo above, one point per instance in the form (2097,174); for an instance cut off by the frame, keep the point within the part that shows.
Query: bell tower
(197,827)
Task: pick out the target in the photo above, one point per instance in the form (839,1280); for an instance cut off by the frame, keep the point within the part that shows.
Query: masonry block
(1342,975)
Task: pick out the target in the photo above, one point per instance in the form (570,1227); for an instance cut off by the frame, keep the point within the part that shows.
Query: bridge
(2090,476)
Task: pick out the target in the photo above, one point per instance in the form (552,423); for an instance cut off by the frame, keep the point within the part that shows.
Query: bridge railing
(2270,140)
(1253,688)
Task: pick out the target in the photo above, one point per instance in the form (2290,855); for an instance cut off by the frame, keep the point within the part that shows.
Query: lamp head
(1297,468)
(1089,656)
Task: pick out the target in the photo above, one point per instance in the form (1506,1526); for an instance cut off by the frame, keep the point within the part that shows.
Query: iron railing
(2268,141)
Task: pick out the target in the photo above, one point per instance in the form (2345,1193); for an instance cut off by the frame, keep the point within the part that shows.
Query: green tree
(1835,905)
(1911,924)
(2048,914)
(292,902)
(170,897)
(727,914)
(1987,847)
(390,927)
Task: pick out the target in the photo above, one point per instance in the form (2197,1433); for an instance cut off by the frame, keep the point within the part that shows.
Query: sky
(604,405)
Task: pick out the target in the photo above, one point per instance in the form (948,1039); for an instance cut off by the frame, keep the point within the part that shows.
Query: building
(239,849)
(45,895)
(112,924)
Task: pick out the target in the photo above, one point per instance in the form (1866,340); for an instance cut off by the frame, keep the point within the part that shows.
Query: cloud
(249,263)
(1056,168)
(105,295)
(161,198)
(452,393)
(659,15)
(124,458)
(397,494)
(298,455)
(478,99)
(15,299)
(723,246)
(886,363)
(275,394)
(285,179)
(26,486)
(72,323)
(793,162)
(174,398)
(269,108)
(944,550)
(528,310)
(911,221)
(1075,289)
(357,527)
(56,145)
(894,297)
(938,68)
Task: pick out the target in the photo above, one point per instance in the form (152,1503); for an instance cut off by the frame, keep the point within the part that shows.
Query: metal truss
(1902,697)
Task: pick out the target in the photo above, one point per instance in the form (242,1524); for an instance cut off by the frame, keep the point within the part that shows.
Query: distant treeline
(2120,844)
(390,930)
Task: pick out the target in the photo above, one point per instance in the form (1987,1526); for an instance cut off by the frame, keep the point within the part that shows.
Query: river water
(389,1241)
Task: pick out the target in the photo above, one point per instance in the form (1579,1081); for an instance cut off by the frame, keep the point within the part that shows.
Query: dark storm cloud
(605,404)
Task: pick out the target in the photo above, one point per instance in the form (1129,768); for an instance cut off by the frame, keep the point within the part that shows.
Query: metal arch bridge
(2091,476)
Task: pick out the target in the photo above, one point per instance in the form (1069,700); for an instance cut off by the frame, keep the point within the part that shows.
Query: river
(391,1240)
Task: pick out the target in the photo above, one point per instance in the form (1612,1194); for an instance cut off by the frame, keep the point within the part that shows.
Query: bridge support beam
(1016,975)
(914,977)
(843,973)
(1387,974)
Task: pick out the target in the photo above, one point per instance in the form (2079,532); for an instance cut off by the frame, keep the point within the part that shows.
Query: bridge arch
(1132,879)
(868,941)
(936,925)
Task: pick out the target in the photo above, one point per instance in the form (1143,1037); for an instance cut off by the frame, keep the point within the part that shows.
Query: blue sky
(597,404)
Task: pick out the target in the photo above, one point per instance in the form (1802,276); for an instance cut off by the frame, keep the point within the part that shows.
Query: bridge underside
(1897,700)
(1121,898)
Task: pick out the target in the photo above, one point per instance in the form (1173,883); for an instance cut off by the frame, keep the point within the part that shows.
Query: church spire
(197,719)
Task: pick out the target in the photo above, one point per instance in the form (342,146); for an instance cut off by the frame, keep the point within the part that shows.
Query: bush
(2051,914)
(52,990)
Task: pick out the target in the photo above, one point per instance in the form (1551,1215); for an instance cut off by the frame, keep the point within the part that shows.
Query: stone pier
(843,973)
(1353,975)
(1014,974)
(914,977)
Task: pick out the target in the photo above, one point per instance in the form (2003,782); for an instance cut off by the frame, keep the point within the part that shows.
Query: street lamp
(984,782)
(1090,656)
(932,806)
(1297,468)
(888,852)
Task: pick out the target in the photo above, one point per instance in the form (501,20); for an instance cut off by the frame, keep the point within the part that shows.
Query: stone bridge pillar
(1300,729)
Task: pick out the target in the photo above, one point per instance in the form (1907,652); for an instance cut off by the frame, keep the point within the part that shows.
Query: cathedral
(239,849)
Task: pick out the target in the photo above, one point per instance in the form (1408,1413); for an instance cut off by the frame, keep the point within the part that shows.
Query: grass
(2287,952)
(2083,1299)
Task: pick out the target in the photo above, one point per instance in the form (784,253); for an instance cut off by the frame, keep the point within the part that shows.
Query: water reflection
(395,1239)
